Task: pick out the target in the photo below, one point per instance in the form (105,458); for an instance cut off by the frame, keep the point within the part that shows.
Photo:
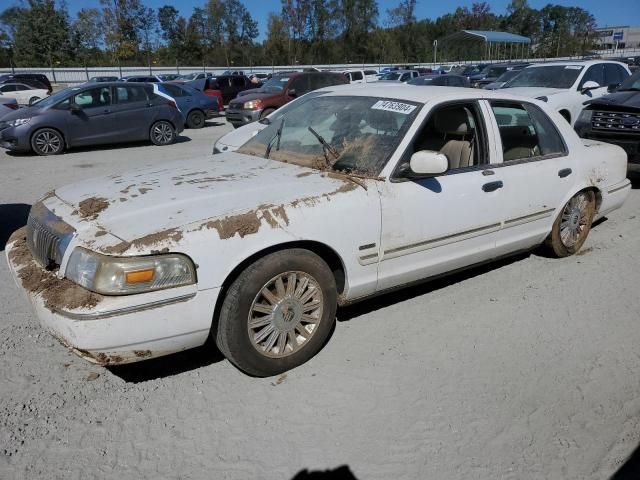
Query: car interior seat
(449,132)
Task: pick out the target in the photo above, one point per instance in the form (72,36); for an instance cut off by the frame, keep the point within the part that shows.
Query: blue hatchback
(195,105)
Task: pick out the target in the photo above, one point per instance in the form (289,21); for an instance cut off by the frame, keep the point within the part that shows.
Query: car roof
(419,95)
(581,63)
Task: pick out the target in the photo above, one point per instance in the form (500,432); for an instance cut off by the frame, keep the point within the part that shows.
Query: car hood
(255,95)
(251,91)
(534,92)
(238,137)
(629,99)
(186,195)
(27,112)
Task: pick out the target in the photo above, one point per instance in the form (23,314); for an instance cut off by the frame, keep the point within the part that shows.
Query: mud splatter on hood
(169,196)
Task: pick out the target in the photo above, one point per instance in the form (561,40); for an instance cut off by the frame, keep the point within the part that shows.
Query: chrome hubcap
(162,133)
(47,142)
(285,314)
(575,217)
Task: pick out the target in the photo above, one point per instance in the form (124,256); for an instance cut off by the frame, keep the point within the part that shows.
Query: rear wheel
(278,313)
(571,228)
(195,119)
(47,141)
(162,133)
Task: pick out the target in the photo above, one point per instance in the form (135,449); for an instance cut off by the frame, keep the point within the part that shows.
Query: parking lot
(523,369)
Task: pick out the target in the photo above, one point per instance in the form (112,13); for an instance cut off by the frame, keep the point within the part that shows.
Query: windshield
(275,84)
(390,76)
(631,83)
(552,76)
(506,76)
(350,134)
(54,98)
(190,76)
(495,71)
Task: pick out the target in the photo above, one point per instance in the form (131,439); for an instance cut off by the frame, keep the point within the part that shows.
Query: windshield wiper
(325,147)
(277,136)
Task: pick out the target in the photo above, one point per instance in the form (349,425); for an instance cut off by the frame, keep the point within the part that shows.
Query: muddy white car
(351,194)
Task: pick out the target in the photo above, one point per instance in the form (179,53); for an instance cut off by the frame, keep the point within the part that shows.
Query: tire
(262,346)
(47,141)
(162,133)
(196,119)
(33,99)
(571,228)
(266,112)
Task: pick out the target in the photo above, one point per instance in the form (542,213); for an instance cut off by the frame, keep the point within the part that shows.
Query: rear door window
(526,132)
(131,94)
(238,81)
(356,75)
(174,90)
(300,84)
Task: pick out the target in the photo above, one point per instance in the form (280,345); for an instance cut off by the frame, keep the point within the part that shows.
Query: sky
(607,12)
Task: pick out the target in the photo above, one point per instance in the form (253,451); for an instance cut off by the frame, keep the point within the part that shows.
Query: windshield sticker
(573,67)
(390,106)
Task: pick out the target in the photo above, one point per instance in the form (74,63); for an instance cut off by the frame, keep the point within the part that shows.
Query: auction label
(397,107)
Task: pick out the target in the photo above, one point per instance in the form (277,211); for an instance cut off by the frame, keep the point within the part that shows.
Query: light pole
(435,52)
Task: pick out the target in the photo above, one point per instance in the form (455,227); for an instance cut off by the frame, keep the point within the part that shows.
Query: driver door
(440,223)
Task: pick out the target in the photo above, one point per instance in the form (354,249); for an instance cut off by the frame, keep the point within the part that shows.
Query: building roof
(487,36)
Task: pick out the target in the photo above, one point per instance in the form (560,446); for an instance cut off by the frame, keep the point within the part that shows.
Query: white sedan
(24,94)
(356,191)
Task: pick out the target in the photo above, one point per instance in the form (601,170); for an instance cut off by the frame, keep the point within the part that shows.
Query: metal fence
(80,75)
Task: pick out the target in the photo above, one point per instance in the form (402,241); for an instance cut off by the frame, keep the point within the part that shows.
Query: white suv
(567,85)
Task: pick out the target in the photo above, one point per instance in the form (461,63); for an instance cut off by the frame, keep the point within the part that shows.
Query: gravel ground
(524,369)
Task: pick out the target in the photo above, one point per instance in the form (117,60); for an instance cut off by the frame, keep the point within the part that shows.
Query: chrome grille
(616,121)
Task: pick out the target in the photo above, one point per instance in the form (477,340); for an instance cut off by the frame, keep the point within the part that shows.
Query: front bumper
(15,138)
(241,116)
(111,330)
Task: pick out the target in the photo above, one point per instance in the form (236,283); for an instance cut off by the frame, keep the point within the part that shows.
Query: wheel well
(566,115)
(194,110)
(598,195)
(329,255)
(49,128)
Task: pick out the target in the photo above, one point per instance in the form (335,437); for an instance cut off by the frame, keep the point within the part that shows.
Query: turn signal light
(141,276)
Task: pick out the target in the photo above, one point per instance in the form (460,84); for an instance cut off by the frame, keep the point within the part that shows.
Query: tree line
(224,33)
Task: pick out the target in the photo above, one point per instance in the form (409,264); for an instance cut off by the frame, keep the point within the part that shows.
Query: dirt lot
(526,369)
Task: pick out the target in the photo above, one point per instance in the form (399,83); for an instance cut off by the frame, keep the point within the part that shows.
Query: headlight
(126,275)
(252,105)
(585,116)
(19,121)
(543,98)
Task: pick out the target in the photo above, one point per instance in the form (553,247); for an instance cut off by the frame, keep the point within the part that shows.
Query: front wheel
(162,133)
(33,100)
(278,313)
(195,119)
(572,226)
(266,112)
(47,141)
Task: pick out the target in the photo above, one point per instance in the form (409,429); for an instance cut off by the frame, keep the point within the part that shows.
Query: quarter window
(356,75)
(526,132)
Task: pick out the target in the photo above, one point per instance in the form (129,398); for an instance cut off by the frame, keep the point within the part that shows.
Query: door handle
(106,110)
(488,172)
(492,186)
(565,172)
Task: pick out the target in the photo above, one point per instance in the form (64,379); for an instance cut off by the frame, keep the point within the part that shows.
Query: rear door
(536,170)
(133,112)
(91,117)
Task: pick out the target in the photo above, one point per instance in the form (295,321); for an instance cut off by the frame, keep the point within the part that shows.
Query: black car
(229,85)
(615,118)
(447,80)
(93,114)
(491,73)
(34,80)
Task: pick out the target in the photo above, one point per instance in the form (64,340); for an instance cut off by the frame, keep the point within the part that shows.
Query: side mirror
(613,87)
(589,85)
(292,92)
(427,162)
